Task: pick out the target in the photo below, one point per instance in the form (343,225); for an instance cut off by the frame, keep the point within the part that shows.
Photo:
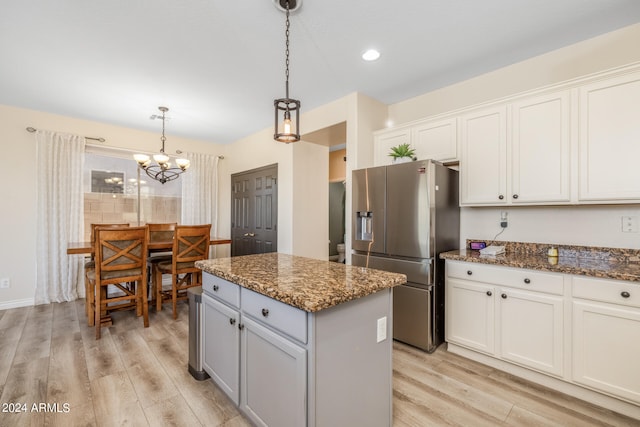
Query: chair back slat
(121,251)
(191,243)
(161,232)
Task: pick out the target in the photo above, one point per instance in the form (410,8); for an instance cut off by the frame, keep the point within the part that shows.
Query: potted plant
(402,153)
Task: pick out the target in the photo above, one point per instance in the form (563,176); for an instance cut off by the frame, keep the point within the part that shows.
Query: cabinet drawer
(276,314)
(612,291)
(538,281)
(221,289)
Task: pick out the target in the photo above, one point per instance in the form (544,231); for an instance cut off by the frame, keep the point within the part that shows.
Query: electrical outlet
(629,224)
(382,329)
(503,219)
(5,283)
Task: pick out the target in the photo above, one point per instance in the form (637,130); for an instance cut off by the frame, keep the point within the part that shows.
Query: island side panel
(352,382)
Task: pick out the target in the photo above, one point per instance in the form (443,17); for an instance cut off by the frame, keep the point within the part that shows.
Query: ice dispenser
(364,226)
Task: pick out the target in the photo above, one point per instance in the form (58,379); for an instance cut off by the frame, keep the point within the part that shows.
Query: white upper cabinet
(610,140)
(435,140)
(483,166)
(540,149)
(383,142)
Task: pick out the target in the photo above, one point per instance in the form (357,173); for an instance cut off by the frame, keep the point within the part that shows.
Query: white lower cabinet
(470,314)
(531,329)
(573,329)
(513,324)
(606,337)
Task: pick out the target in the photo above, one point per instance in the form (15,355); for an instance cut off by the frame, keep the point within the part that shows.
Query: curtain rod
(32,130)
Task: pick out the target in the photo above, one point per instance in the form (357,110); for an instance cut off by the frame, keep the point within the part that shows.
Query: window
(120,200)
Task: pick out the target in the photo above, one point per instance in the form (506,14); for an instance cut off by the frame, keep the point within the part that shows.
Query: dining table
(86,248)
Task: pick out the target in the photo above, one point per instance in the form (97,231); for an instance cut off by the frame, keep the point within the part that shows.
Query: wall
(583,225)
(18,189)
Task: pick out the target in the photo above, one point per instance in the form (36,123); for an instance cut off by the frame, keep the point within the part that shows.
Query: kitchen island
(298,341)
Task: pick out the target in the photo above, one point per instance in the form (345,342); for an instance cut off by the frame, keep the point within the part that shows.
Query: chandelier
(161,170)
(287,128)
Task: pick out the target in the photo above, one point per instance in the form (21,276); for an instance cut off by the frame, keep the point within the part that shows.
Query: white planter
(402,159)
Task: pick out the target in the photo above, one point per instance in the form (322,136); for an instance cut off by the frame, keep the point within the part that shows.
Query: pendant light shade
(287,110)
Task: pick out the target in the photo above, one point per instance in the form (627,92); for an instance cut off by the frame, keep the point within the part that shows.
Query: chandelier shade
(287,110)
(161,171)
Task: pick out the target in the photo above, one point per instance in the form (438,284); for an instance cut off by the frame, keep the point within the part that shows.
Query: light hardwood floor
(136,376)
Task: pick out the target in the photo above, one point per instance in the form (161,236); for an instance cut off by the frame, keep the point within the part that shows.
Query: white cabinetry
(433,139)
(470,314)
(384,140)
(508,313)
(517,153)
(483,157)
(606,336)
(610,140)
(531,329)
(540,149)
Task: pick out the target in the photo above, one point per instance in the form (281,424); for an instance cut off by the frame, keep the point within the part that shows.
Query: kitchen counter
(308,284)
(282,331)
(607,263)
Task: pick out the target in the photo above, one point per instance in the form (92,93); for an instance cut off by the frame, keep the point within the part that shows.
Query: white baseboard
(27,302)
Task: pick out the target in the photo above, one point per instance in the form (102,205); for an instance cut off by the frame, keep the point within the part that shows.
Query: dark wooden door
(254,211)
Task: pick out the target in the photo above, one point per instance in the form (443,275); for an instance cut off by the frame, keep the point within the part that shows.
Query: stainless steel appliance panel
(418,272)
(412,317)
(408,209)
(369,200)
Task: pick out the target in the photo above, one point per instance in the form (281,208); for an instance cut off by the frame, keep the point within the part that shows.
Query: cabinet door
(222,346)
(274,378)
(483,160)
(609,135)
(531,329)
(469,315)
(435,140)
(383,143)
(605,348)
(540,146)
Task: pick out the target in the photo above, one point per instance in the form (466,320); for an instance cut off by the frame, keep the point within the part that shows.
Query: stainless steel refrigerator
(404,215)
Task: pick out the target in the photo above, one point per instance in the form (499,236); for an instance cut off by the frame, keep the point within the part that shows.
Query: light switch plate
(382,329)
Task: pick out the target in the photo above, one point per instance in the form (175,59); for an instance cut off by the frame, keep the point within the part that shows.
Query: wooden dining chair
(190,244)
(159,232)
(121,261)
(91,265)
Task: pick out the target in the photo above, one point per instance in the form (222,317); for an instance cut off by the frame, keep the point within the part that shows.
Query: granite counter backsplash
(608,263)
(308,284)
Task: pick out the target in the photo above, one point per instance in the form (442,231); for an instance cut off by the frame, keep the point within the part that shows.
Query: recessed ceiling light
(371,55)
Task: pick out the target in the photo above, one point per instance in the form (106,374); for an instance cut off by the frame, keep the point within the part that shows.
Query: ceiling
(218,65)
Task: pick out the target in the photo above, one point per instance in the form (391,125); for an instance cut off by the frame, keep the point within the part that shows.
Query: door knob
(504,296)
(625,294)
(489,293)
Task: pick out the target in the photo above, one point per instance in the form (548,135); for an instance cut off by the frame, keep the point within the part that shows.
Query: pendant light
(287,127)
(162,170)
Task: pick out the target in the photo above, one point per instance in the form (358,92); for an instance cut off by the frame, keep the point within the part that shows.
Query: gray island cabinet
(297,342)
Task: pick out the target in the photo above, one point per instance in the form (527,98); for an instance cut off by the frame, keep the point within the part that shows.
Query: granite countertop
(607,263)
(308,284)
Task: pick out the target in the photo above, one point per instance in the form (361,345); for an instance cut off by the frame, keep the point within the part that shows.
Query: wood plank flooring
(137,377)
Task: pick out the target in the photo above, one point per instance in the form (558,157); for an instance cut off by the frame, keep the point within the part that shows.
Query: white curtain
(200,191)
(60,218)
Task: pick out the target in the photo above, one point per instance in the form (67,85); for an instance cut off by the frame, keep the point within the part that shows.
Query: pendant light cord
(287,51)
